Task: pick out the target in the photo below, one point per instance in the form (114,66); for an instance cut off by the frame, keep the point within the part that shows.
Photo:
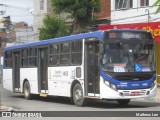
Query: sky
(18,11)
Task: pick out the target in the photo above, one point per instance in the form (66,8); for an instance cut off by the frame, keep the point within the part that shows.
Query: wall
(136,14)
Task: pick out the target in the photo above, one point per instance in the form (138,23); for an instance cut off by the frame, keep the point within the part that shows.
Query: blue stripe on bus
(128,84)
(98,34)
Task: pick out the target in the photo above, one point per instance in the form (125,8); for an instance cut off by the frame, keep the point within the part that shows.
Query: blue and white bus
(111,65)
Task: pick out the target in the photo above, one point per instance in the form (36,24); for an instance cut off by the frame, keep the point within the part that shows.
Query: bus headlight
(107,83)
(113,86)
(153,84)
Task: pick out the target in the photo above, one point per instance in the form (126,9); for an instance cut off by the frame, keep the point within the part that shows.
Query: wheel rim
(78,95)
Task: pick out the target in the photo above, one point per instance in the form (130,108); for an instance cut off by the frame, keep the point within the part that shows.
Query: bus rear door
(43,70)
(16,71)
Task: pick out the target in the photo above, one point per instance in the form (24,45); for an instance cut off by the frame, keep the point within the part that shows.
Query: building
(104,16)
(43,7)
(129,11)
(24,33)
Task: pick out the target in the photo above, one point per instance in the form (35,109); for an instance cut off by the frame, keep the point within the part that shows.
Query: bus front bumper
(108,93)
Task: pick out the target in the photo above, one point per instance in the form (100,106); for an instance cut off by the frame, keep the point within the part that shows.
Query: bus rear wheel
(123,101)
(78,97)
(26,89)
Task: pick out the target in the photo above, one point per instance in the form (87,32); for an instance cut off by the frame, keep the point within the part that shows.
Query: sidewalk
(5,108)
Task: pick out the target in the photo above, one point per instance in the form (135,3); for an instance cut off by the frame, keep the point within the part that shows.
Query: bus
(117,64)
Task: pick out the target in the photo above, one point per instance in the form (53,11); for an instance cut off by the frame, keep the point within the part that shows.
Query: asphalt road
(18,102)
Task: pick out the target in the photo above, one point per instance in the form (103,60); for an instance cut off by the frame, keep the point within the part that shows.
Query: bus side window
(54,55)
(65,53)
(8,59)
(24,58)
(32,57)
(76,52)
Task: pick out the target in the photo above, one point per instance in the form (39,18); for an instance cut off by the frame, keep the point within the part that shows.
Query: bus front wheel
(123,101)
(78,97)
(27,93)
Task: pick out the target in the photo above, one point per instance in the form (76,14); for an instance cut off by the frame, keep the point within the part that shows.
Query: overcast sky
(16,11)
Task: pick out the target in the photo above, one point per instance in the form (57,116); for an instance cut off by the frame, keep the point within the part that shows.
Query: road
(18,102)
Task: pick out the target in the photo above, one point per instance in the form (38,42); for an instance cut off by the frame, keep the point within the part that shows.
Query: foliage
(157,3)
(53,27)
(81,11)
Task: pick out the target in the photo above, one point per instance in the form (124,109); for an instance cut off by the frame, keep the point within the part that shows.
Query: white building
(133,11)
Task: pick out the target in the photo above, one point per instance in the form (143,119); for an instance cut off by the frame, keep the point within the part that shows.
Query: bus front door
(16,71)
(92,68)
(43,70)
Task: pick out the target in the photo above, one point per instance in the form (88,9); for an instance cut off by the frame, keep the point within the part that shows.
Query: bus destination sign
(127,35)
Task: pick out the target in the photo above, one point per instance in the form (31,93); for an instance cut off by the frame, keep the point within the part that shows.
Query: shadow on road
(103,104)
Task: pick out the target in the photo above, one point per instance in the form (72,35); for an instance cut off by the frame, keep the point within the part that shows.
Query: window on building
(41,4)
(33,57)
(123,4)
(144,3)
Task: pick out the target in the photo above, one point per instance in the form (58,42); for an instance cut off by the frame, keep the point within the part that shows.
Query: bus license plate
(135,93)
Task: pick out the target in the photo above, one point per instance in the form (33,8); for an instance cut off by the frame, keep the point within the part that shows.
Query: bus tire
(27,94)
(123,101)
(78,98)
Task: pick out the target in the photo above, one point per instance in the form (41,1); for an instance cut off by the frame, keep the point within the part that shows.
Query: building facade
(133,11)
(24,33)
(41,9)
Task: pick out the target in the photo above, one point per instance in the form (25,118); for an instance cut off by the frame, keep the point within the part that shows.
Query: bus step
(17,90)
(43,94)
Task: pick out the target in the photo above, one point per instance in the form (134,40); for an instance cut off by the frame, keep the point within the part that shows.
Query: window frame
(70,52)
(129,4)
(144,3)
(65,53)
(22,57)
(54,54)
(77,52)
(30,56)
(41,4)
(8,59)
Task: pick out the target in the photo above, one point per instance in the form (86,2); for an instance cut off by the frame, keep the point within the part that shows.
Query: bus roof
(98,34)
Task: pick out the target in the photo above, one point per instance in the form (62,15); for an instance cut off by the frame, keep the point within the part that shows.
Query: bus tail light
(78,72)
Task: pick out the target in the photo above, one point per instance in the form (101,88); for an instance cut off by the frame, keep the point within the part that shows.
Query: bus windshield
(128,57)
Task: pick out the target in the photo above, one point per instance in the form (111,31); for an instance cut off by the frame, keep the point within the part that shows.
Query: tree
(81,11)
(157,3)
(53,27)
